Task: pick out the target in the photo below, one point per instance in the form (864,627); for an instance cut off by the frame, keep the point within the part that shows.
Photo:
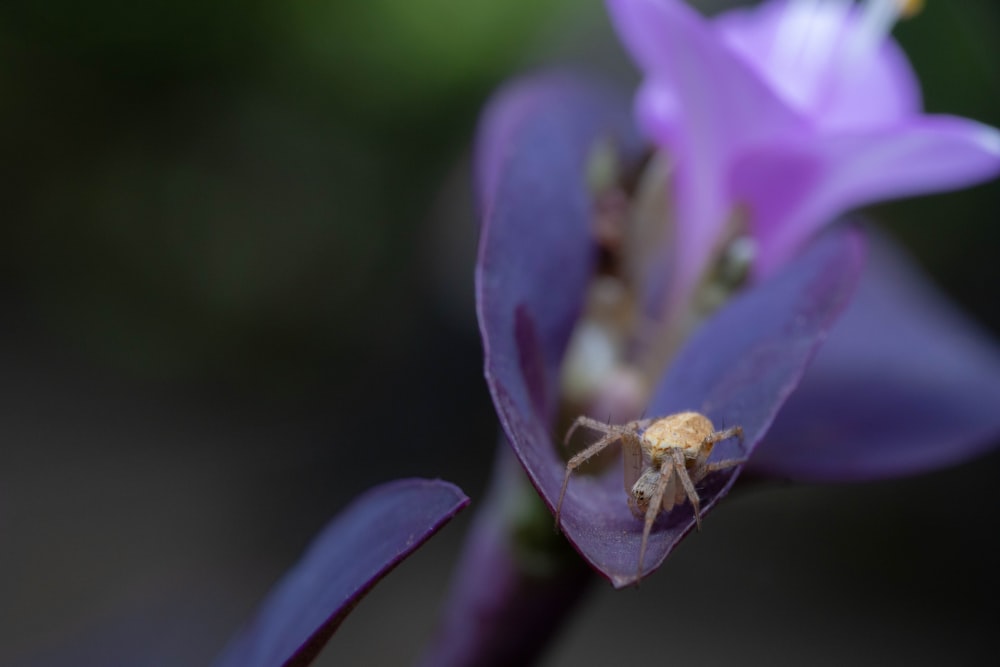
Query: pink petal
(723,106)
(794,189)
(836,89)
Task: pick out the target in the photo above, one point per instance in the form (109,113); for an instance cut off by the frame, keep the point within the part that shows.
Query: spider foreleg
(716,466)
(638,425)
(719,436)
(702,468)
(666,472)
(678,457)
(592,424)
(578,460)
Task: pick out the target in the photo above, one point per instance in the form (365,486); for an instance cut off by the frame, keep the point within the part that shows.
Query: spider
(677,448)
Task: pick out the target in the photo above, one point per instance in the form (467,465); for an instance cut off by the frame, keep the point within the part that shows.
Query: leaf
(905,384)
(352,553)
(737,369)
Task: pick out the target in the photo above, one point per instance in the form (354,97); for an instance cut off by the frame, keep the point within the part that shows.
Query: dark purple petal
(738,369)
(905,384)
(359,547)
(536,252)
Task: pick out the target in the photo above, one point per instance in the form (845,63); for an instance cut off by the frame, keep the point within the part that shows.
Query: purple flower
(714,290)
(797,110)
(354,551)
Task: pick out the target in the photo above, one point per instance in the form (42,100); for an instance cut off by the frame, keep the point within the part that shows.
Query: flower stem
(515,583)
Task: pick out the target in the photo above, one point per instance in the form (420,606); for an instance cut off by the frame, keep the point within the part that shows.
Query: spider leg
(719,436)
(638,424)
(578,460)
(722,465)
(682,473)
(666,473)
(702,468)
(593,424)
(715,466)
(632,461)
(670,494)
(703,453)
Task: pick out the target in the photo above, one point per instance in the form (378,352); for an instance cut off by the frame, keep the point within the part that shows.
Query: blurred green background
(236,260)
(236,188)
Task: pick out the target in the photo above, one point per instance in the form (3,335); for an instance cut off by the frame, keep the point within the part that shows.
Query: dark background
(236,260)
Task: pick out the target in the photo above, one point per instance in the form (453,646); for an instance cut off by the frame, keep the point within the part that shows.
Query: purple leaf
(905,384)
(515,103)
(355,550)
(738,369)
(509,593)
(536,253)
(743,363)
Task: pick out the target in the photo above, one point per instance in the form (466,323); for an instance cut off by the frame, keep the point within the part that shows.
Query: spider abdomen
(685,431)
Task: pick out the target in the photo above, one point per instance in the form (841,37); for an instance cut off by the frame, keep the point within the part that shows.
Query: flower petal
(359,547)
(794,188)
(905,384)
(711,105)
(804,51)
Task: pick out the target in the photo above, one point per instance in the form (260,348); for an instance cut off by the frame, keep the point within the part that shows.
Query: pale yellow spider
(664,459)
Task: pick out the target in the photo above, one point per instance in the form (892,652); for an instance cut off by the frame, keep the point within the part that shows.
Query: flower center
(626,335)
